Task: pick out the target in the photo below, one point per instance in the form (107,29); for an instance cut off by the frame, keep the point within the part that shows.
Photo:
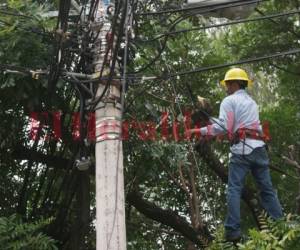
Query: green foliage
(219,243)
(27,40)
(283,234)
(279,235)
(16,235)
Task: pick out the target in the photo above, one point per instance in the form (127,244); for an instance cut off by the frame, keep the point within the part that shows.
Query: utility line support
(110,204)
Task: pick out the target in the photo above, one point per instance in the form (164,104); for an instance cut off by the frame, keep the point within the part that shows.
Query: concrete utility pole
(110,205)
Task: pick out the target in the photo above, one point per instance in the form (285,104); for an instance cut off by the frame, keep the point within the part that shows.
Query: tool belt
(243,133)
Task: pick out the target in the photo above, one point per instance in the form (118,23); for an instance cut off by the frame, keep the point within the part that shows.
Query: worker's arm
(223,124)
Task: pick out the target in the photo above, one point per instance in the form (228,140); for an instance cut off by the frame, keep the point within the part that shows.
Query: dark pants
(239,166)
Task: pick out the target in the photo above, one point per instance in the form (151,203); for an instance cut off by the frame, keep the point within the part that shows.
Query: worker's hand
(194,130)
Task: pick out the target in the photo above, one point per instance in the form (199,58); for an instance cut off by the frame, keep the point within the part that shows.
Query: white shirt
(238,110)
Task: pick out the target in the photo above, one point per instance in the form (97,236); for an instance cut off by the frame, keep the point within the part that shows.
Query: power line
(275,22)
(114,52)
(224,24)
(162,77)
(219,66)
(219,6)
(162,48)
(59,56)
(14,69)
(180,19)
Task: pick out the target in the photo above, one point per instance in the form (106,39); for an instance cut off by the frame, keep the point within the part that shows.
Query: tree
(175,191)
(17,235)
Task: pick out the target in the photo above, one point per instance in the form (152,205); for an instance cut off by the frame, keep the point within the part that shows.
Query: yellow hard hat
(236,74)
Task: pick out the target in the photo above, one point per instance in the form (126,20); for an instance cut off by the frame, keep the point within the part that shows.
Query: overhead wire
(162,48)
(275,22)
(221,5)
(236,63)
(178,20)
(93,8)
(247,20)
(114,57)
(23,70)
(172,75)
(240,62)
(82,91)
(62,25)
(218,66)
(214,67)
(283,29)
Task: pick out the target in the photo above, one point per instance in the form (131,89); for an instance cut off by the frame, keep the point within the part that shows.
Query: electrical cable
(81,115)
(94,5)
(167,76)
(231,64)
(80,86)
(162,48)
(220,66)
(273,21)
(284,30)
(62,25)
(219,6)
(114,25)
(222,25)
(114,59)
(178,20)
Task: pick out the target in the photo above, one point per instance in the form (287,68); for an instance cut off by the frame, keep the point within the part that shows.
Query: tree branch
(169,218)
(291,162)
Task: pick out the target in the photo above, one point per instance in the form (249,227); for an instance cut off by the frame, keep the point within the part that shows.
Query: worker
(239,118)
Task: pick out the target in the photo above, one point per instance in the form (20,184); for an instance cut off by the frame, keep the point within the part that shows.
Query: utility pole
(110,204)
